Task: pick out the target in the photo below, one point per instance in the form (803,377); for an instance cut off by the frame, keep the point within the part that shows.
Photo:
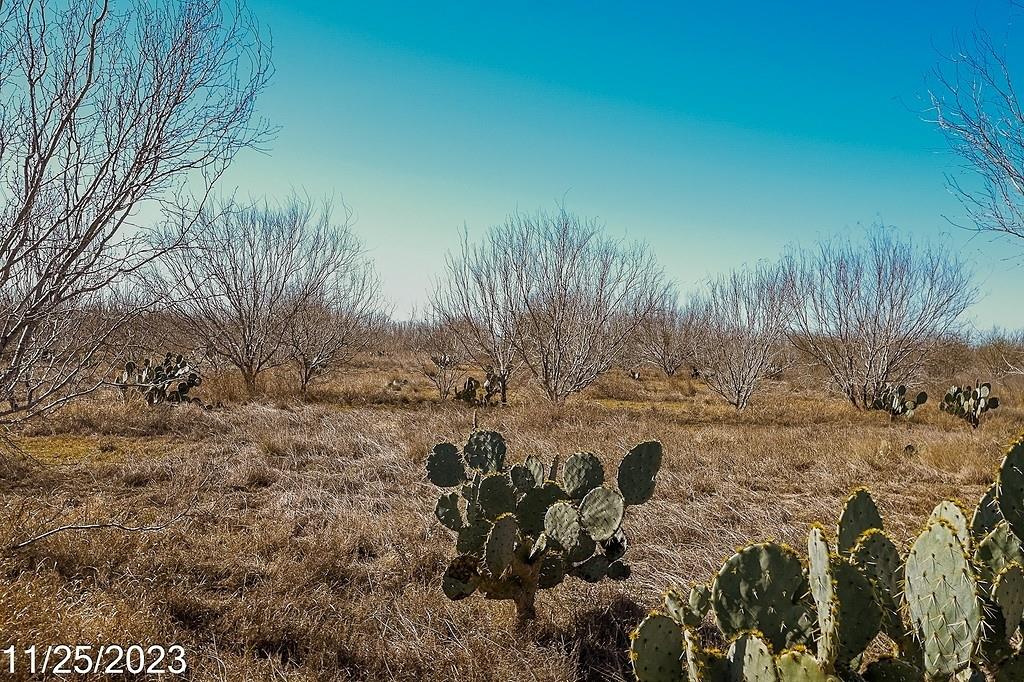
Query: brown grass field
(303,544)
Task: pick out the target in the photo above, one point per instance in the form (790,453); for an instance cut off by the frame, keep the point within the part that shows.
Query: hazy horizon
(716,137)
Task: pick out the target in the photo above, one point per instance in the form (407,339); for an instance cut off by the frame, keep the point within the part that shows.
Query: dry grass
(309,549)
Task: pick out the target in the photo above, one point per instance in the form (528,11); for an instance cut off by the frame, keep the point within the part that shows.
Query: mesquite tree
(668,334)
(248,272)
(872,312)
(106,111)
(745,313)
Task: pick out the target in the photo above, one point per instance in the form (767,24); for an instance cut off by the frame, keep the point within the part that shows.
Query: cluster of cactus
(168,381)
(969,403)
(952,606)
(894,400)
(521,529)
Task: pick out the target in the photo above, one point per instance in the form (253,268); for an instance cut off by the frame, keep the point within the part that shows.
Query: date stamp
(89,659)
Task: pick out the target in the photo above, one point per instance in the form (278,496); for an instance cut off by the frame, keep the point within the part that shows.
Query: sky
(718,134)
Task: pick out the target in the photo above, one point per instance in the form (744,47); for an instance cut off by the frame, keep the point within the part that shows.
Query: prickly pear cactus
(953,606)
(969,403)
(167,381)
(518,532)
(896,401)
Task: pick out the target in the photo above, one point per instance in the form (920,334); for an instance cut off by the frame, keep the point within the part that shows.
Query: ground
(296,540)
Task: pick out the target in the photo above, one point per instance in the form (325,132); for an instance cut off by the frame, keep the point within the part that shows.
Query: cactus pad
(763,587)
(485,451)
(996,551)
(615,547)
(656,650)
(601,513)
(562,524)
(859,515)
(1010,491)
(536,468)
(892,670)
(593,570)
(878,558)
(799,666)
(552,570)
(522,478)
(638,471)
(499,550)
(986,515)
(460,578)
(447,511)
(954,515)
(534,505)
(473,536)
(618,570)
(942,600)
(445,467)
(581,473)
(496,496)
(1008,594)
(750,660)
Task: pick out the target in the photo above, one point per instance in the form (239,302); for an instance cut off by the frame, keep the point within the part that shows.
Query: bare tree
(440,355)
(480,295)
(745,315)
(104,114)
(872,313)
(246,273)
(668,335)
(976,107)
(581,295)
(338,320)
(1002,352)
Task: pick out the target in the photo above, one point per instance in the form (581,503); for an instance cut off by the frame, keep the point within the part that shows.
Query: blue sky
(716,134)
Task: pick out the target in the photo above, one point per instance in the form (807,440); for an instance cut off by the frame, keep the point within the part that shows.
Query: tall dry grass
(307,547)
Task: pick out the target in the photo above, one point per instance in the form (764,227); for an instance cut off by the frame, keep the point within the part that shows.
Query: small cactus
(518,532)
(969,403)
(169,381)
(952,606)
(896,401)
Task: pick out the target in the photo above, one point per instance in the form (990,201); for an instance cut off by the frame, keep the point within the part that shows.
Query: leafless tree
(104,114)
(871,313)
(975,105)
(745,315)
(440,355)
(247,272)
(1002,352)
(581,296)
(480,294)
(668,335)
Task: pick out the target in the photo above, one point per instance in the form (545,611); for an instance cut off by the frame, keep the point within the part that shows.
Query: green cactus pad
(986,515)
(750,660)
(763,587)
(536,468)
(531,509)
(593,570)
(581,473)
(601,513)
(951,513)
(584,549)
(485,451)
(499,550)
(562,524)
(704,664)
(859,515)
(447,511)
(819,576)
(460,578)
(473,536)
(552,570)
(1010,491)
(892,670)
(445,467)
(942,599)
(1008,594)
(799,666)
(522,478)
(878,558)
(638,471)
(615,547)
(656,650)
(619,570)
(496,496)
(674,601)
(996,551)
(688,608)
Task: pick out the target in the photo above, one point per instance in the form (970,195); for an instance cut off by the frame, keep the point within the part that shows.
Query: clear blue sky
(716,134)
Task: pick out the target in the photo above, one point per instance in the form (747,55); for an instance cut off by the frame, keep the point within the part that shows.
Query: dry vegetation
(308,547)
